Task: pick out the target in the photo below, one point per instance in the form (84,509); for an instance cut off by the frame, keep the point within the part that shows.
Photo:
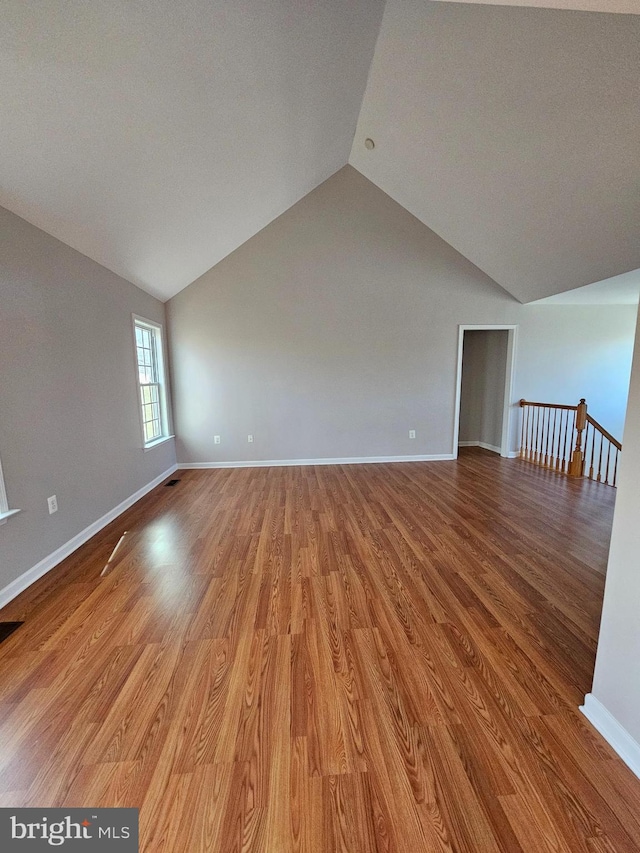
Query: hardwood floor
(355,658)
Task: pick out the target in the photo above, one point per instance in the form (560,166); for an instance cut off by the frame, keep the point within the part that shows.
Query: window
(153,400)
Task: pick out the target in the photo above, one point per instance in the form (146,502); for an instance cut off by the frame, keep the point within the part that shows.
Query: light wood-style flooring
(352,658)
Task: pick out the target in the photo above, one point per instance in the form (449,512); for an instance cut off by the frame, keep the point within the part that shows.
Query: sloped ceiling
(513,134)
(622,289)
(156,137)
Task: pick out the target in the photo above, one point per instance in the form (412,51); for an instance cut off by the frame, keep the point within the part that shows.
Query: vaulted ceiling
(158,137)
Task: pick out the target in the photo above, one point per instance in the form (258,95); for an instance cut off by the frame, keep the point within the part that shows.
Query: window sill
(4,516)
(158,442)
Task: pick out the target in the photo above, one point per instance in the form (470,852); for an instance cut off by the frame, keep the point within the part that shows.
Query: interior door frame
(510,371)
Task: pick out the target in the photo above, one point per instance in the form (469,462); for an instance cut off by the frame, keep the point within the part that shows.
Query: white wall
(576,351)
(69,422)
(334,331)
(616,683)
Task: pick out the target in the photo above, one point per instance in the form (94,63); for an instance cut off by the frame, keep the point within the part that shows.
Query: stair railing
(566,439)
(600,445)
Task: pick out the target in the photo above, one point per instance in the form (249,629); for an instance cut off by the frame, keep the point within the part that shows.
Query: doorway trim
(508,382)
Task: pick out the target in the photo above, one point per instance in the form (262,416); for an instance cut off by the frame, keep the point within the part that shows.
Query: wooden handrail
(594,423)
(524,402)
(569,441)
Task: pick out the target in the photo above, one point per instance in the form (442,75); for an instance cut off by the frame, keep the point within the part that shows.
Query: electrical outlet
(250,439)
(412,433)
(216,439)
(53,504)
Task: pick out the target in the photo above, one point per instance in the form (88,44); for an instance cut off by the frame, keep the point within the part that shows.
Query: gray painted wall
(617,675)
(69,422)
(334,331)
(484,365)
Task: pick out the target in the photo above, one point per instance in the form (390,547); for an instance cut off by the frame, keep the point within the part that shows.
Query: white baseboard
(482,444)
(512,454)
(616,735)
(13,589)
(345,460)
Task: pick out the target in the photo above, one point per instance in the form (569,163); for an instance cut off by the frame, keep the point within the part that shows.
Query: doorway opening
(486,364)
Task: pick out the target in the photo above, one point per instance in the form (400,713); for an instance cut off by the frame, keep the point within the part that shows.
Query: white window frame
(5,512)
(160,383)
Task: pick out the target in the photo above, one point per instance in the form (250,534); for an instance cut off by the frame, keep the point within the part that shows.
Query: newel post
(577,457)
